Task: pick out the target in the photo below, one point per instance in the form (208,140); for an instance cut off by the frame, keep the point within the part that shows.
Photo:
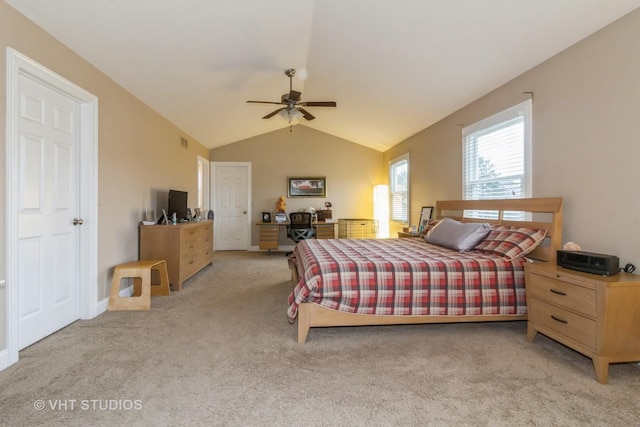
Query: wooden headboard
(540,213)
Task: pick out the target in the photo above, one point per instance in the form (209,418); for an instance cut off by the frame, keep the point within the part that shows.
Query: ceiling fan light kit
(292,101)
(290,114)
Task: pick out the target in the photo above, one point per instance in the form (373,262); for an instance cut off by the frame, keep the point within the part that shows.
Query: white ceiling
(394,67)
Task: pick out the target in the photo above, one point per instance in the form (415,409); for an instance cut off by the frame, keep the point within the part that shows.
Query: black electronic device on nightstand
(589,262)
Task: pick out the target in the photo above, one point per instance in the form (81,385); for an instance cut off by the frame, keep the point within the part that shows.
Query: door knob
(77,221)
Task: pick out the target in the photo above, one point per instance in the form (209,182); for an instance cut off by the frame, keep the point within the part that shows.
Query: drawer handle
(191,262)
(558,320)
(558,292)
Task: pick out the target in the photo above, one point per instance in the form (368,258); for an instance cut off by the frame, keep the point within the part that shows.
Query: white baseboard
(4,359)
(103,304)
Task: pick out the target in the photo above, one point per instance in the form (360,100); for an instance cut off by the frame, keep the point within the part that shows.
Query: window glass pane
(399,189)
(495,162)
(200,186)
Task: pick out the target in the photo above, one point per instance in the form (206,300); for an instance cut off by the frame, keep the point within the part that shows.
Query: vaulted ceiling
(394,67)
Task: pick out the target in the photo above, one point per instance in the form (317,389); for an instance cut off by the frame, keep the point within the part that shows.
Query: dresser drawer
(188,248)
(206,228)
(573,297)
(204,250)
(205,256)
(569,324)
(189,234)
(204,241)
(205,236)
(189,264)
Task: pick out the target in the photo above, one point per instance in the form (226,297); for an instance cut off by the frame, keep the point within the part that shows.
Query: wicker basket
(357,228)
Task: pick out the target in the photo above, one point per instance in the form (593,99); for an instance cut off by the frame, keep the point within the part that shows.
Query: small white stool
(143,289)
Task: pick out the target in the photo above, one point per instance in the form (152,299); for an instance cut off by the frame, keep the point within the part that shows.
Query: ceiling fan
(293,103)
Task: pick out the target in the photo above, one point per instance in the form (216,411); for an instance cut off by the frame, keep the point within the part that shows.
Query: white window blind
(496,157)
(399,189)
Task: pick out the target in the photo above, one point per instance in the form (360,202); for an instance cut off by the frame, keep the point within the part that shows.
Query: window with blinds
(399,189)
(496,157)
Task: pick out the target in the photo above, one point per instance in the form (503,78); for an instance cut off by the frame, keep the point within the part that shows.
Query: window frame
(203,170)
(393,164)
(520,109)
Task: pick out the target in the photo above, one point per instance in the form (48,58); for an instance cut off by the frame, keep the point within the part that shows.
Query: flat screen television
(178,204)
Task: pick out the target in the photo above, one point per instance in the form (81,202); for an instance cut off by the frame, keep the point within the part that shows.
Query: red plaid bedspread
(405,277)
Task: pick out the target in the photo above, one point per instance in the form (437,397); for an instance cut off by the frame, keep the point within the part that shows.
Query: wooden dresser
(186,248)
(598,316)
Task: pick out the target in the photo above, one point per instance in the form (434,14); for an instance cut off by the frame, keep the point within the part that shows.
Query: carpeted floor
(220,352)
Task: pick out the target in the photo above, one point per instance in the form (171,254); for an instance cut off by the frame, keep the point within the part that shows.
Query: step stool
(143,289)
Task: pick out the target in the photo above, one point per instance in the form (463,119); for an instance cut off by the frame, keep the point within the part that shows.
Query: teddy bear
(281,205)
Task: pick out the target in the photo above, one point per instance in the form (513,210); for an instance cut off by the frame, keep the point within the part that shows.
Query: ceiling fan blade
(306,114)
(268,116)
(320,104)
(263,102)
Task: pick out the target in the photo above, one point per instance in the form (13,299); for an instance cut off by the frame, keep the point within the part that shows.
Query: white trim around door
(231,204)
(19,65)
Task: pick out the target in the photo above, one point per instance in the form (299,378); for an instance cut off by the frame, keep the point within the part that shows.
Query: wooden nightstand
(598,316)
(404,235)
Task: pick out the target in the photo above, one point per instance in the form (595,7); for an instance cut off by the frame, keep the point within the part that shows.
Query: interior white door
(231,191)
(48,231)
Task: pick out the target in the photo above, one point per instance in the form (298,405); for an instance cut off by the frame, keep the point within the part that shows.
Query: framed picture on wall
(425,216)
(307,186)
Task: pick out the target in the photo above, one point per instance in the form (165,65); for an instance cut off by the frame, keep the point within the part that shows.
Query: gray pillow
(457,235)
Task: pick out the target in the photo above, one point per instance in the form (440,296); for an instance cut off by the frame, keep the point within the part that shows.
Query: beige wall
(585,139)
(351,170)
(139,152)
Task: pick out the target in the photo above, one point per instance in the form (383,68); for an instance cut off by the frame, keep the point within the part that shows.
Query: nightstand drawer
(571,325)
(573,297)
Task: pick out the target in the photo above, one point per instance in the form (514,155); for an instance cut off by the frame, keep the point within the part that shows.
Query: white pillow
(457,235)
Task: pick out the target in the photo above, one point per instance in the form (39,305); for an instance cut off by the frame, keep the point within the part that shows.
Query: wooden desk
(270,232)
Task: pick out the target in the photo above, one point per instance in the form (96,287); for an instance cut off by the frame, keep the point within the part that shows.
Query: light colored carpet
(220,352)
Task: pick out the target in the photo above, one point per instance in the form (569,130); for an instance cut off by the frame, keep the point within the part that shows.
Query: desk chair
(300,227)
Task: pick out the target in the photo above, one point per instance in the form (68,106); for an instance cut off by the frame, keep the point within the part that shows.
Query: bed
(358,282)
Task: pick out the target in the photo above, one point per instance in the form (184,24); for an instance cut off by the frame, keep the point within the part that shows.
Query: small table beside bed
(463,269)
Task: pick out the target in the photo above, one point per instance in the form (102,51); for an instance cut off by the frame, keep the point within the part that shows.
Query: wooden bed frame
(542,213)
